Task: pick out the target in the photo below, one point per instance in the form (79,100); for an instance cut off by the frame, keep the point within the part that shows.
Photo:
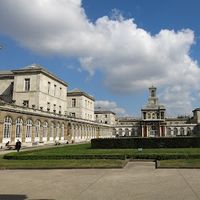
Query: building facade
(80,105)
(154,122)
(36,108)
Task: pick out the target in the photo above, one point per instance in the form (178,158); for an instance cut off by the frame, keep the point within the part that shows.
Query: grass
(85,149)
(60,164)
(180,163)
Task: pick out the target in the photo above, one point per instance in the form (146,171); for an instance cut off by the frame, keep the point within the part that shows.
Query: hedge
(15,156)
(146,143)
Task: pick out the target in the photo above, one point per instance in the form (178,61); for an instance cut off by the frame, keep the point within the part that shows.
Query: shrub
(148,143)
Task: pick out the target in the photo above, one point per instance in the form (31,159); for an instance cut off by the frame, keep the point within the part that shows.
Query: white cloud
(110,106)
(130,57)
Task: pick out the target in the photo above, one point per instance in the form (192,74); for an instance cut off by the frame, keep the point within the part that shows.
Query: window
(86,103)
(26,103)
(27,84)
(45,129)
(28,128)
(106,116)
(52,129)
(37,129)
(54,90)
(60,108)
(73,102)
(19,124)
(7,127)
(73,114)
(58,130)
(49,87)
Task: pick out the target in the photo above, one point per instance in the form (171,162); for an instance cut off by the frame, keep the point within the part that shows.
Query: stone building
(154,122)
(105,117)
(36,108)
(33,109)
(80,105)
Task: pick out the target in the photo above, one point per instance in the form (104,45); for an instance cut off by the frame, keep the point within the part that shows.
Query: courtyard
(137,180)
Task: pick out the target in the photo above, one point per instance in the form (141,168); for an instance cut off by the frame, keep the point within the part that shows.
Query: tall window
(58,130)
(7,127)
(27,84)
(45,129)
(60,108)
(73,102)
(37,128)
(28,128)
(54,90)
(49,87)
(19,123)
(52,129)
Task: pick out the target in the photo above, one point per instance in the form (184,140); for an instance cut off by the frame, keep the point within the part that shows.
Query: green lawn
(83,149)
(76,156)
(180,163)
(60,164)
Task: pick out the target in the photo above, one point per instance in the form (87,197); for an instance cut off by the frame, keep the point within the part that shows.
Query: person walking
(18,145)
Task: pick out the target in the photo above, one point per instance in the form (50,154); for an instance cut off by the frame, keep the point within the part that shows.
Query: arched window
(153,115)
(189,131)
(52,129)
(37,128)
(29,128)
(63,130)
(149,115)
(7,127)
(58,130)
(45,129)
(182,131)
(175,131)
(120,132)
(19,123)
(126,132)
(169,131)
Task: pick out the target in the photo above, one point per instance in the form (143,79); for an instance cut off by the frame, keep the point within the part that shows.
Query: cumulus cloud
(130,57)
(110,106)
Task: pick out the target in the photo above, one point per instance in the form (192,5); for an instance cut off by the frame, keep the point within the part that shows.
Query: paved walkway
(138,180)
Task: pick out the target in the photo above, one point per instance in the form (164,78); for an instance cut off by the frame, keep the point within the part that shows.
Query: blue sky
(114,50)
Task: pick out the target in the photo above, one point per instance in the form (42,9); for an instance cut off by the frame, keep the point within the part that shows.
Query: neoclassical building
(154,122)
(36,108)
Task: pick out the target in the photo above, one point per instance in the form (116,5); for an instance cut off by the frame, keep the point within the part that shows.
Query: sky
(113,50)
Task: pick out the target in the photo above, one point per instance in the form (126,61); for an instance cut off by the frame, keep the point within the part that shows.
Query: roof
(157,107)
(6,74)
(197,109)
(104,112)
(78,92)
(35,68)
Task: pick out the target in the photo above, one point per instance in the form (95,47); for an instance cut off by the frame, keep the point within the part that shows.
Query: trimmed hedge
(15,156)
(146,143)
